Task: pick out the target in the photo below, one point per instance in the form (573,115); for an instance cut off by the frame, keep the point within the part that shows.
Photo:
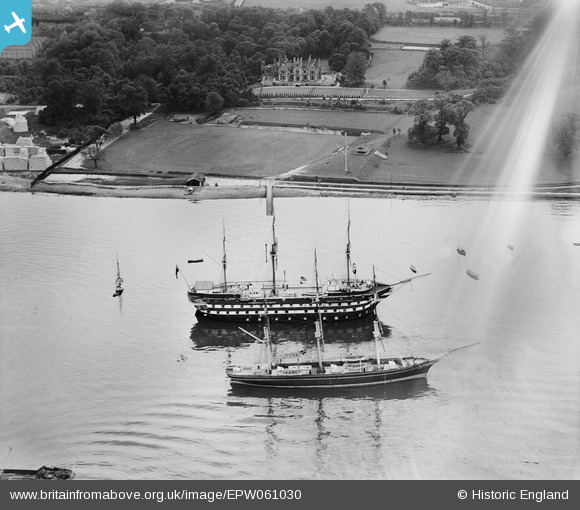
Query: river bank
(229,188)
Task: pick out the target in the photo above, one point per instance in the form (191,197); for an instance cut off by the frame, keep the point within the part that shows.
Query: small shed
(195,179)
(363,149)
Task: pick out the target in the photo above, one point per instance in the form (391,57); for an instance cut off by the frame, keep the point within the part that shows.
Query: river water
(135,388)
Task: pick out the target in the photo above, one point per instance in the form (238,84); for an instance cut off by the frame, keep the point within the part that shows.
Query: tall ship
(295,370)
(335,299)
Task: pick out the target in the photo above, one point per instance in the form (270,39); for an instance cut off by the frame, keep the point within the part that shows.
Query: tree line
(469,63)
(466,64)
(113,62)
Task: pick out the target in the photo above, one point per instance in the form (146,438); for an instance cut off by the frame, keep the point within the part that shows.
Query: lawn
(435,34)
(167,147)
(319,118)
(392,64)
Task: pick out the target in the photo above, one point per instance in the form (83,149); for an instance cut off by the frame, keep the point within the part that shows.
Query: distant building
(446,20)
(29,50)
(286,72)
(440,3)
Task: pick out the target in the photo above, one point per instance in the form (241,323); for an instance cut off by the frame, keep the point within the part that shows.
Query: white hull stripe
(347,385)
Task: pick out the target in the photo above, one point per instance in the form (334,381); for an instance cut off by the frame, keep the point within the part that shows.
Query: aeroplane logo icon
(18,22)
(15,15)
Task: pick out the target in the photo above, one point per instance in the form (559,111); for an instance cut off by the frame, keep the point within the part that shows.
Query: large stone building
(296,71)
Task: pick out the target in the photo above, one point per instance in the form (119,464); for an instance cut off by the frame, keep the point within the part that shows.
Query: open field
(166,147)
(169,147)
(435,34)
(391,64)
(318,118)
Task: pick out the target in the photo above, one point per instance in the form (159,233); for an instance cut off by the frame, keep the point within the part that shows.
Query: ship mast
(273,255)
(319,334)
(267,338)
(348,250)
(377,335)
(224,256)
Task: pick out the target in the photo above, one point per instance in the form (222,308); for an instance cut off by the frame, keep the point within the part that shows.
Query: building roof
(29,50)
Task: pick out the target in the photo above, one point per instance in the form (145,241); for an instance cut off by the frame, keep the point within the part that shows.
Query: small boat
(413,268)
(510,247)
(472,274)
(44,473)
(119,285)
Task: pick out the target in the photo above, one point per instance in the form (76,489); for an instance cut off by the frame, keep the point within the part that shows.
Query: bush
(488,94)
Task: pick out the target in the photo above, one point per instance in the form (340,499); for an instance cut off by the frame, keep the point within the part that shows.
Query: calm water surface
(135,388)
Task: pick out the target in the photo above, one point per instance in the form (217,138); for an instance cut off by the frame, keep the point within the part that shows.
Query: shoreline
(246,189)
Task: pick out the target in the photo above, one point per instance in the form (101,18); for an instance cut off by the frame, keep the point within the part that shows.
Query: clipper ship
(350,371)
(334,300)
(342,373)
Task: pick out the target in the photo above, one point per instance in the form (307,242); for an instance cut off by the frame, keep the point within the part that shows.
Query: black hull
(283,317)
(44,473)
(344,380)
(400,390)
(331,307)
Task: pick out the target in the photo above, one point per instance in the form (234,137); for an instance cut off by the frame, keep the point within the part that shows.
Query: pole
(273,254)
(345,153)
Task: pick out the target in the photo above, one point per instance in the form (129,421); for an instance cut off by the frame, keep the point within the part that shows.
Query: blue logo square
(15,22)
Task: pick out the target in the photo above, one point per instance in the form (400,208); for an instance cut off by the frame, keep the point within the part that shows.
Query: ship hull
(331,307)
(324,380)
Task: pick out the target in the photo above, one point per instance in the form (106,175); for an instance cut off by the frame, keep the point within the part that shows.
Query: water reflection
(563,208)
(209,333)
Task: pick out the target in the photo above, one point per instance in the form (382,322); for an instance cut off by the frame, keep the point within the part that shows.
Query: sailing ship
(346,372)
(119,285)
(245,301)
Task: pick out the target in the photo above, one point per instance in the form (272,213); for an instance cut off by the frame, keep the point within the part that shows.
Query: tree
(422,129)
(484,44)
(93,152)
(355,68)
(565,134)
(214,103)
(458,113)
(337,62)
(443,118)
(461,132)
(134,100)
